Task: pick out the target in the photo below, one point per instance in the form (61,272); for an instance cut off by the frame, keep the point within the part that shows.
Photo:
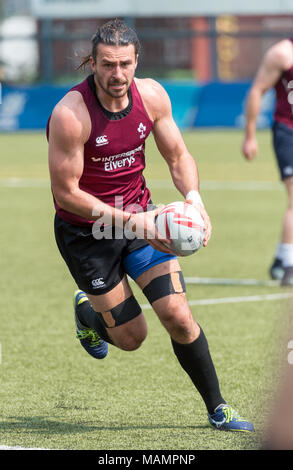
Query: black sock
(89,318)
(196,360)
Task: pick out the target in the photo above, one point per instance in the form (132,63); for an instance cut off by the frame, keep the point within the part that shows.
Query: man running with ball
(97,136)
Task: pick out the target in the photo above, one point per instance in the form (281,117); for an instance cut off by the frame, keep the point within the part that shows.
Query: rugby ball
(183,225)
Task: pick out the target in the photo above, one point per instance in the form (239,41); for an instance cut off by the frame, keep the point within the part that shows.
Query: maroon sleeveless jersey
(114,155)
(284,98)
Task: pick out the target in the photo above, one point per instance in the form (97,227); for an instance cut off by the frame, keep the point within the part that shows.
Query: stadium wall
(214,104)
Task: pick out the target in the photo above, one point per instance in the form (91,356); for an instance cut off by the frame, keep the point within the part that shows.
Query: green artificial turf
(54,396)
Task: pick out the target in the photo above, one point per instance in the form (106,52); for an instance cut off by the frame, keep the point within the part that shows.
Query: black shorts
(95,265)
(283,146)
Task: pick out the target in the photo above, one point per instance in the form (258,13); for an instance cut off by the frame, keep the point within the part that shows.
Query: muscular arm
(181,164)
(274,62)
(68,133)
(170,144)
(169,141)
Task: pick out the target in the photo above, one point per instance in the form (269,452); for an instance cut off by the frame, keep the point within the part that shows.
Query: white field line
(230,282)
(157,184)
(223,185)
(24,183)
(240,299)
(21,448)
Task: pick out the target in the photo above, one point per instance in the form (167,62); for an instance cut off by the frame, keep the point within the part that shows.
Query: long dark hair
(116,33)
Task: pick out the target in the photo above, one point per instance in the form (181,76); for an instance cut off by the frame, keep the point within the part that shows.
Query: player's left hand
(206,219)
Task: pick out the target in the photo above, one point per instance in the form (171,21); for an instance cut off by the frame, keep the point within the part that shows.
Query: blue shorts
(143,259)
(283,146)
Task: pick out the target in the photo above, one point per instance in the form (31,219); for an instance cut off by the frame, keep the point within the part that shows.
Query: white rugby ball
(183,225)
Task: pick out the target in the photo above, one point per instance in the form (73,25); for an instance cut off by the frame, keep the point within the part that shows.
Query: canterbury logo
(97,283)
(101,140)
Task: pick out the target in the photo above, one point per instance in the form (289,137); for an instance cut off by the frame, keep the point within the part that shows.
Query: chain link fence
(225,48)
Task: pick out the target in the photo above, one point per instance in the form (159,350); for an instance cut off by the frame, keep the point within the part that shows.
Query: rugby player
(276,71)
(96,137)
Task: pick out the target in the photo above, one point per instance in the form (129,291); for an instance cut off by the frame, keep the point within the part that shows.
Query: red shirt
(114,155)
(284,98)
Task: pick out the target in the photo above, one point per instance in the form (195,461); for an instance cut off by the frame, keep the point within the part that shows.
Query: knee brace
(122,313)
(171,283)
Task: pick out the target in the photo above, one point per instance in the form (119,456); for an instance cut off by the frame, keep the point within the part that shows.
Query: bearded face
(114,69)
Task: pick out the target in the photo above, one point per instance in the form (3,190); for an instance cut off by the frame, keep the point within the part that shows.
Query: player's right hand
(250,148)
(142,224)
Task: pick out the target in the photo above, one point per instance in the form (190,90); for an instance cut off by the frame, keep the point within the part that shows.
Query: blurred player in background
(97,136)
(279,427)
(276,71)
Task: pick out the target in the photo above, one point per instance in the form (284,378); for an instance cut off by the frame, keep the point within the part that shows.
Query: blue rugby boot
(227,419)
(89,338)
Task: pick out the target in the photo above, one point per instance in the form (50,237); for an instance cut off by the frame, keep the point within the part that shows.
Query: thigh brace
(122,313)
(171,283)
